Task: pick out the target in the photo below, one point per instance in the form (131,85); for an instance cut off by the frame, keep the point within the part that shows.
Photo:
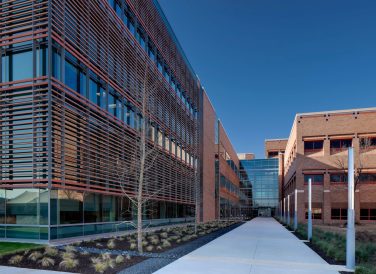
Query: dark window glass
(56,64)
(22,206)
(338,178)
(340,144)
(93,208)
(71,75)
(131,26)
(94,92)
(367,178)
(118,9)
(111,104)
(82,83)
(70,206)
(41,62)
(20,66)
(316,178)
(316,214)
(313,145)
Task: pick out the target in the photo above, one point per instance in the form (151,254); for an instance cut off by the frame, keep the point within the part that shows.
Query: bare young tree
(341,162)
(135,169)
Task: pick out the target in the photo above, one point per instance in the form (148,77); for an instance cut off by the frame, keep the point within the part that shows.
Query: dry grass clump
(51,251)
(68,264)
(34,256)
(16,259)
(46,262)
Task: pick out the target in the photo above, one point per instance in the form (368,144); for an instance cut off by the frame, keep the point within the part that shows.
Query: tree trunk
(139,226)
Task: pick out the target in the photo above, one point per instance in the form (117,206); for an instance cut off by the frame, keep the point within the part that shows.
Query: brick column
(326,205)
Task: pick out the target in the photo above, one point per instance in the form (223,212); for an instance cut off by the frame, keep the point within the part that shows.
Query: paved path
(261,246)
(19,270)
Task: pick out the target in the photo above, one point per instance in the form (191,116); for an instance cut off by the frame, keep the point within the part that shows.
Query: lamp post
(309,230)
(288,209)
(296,210)
(350,234)
(284,210)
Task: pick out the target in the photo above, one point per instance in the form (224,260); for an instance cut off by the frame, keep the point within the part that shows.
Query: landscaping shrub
(34,256)
(51,251)
(68,264)
(15,259)
(119,259)
(46,262)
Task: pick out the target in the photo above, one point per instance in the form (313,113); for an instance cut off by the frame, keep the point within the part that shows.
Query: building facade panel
(76,77)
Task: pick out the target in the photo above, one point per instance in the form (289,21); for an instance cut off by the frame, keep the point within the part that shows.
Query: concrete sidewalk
(261,246)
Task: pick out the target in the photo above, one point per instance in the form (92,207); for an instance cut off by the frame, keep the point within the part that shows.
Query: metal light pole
(350,235)
(296,210)
(288,209)
(284,209)
(309,230)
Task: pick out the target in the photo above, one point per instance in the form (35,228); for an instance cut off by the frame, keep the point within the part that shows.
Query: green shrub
(365,270)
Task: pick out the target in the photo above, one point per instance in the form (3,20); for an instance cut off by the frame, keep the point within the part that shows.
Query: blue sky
(263,61)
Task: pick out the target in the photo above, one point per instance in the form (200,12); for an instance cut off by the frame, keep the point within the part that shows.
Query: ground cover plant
(331,244)
(6,247)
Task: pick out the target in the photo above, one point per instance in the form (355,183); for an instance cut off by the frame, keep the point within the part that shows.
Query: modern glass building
(73,74)
(260,177)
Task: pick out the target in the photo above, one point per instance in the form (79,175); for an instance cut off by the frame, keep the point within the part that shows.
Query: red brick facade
(317,149)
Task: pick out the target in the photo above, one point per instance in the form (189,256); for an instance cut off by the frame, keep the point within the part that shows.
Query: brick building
(317,149)
(221,196)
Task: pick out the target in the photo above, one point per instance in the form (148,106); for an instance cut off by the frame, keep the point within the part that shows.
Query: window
(272,154)
(160,138)
(94,92)
(340,145)
(71,75)
(316,178)
(368,143)
(368,214)
(316,214)
(130,117)
(338,178)
(82,83)
(367,178)
(313,146)
(339,213)
(118,9)
(17,65)
(112,104)
(56,64)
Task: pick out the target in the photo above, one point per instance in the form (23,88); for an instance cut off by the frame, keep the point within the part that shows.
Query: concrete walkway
(261,246)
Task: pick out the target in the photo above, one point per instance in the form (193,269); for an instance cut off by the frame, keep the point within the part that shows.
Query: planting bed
(159,240)
(331,246)
(112,255)
(69,260)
